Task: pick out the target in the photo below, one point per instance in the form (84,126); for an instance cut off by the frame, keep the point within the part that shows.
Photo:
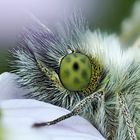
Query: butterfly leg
(75,111)
(127,118)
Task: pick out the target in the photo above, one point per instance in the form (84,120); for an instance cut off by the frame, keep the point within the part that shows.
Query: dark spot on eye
(83,60)
(84,74)
(75,55)
(76,80)
(75,66)
(67,73)
(68,59)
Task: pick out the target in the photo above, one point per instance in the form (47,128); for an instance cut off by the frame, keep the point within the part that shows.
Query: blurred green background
(107,17)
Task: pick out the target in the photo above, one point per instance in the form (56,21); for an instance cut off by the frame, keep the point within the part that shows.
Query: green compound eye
(75,71)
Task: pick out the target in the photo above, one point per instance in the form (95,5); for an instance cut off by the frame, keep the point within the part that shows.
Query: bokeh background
(106,15)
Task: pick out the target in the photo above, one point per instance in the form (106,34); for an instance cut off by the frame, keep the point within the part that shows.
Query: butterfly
(88,73)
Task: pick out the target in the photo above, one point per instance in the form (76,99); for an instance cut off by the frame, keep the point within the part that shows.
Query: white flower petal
(9,88)
(20,114)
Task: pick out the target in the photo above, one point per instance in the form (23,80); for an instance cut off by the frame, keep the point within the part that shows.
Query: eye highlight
(75,71)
